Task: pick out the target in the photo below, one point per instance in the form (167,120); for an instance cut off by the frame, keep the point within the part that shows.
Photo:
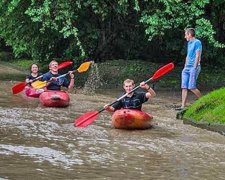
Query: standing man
(192,67)
(53,82)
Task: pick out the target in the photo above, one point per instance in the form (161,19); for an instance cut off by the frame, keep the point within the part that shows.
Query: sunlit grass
(210,108)
(23,63)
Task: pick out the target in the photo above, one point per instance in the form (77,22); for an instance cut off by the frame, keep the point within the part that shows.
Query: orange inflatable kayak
(131,119)
(54,98)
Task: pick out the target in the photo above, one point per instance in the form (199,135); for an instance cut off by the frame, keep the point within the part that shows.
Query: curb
(211,127)
(219,128)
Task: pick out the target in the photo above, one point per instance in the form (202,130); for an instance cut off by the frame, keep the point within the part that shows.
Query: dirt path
(11,72)
(6,68)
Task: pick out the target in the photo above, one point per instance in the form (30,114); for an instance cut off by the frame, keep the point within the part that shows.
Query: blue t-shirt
(133,102)
(193,47)
(55,85)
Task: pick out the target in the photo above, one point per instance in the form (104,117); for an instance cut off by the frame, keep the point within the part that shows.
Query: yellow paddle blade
(84,67)
(39,84)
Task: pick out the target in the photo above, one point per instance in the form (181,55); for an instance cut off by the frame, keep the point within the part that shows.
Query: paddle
(17,88)
(89,117)
(82,68)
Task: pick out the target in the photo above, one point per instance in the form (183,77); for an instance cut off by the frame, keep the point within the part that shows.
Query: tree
(45,29)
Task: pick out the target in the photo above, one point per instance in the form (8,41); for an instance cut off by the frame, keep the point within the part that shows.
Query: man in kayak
(53,82)
(133,100)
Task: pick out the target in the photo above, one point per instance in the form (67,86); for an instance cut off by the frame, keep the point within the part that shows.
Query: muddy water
(42,143)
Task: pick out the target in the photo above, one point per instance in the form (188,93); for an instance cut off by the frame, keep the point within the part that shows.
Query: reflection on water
(42,143)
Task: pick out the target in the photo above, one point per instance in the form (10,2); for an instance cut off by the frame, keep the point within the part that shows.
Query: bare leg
(184,97)
(196,92)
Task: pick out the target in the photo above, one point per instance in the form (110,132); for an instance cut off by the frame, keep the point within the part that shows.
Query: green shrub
(5,56)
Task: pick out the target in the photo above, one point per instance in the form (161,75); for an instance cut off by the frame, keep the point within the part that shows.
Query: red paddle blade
(17,88)
(163,70)
(64,64)
(86,119)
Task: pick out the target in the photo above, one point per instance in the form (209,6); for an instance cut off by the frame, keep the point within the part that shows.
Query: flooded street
(42,143)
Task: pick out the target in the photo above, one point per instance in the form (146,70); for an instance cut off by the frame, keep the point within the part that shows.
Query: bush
(6,56)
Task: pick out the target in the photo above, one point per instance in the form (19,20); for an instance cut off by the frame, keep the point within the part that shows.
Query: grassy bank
(210,108)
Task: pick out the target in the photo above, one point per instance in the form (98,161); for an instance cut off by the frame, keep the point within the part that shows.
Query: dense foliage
(149,29)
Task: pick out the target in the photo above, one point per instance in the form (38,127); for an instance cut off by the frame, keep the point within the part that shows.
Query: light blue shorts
(189,77)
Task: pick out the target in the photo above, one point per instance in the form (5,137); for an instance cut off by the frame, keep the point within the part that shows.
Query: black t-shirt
(30,77)
(133,102)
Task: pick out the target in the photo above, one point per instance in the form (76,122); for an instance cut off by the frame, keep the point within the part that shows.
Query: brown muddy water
(42,143)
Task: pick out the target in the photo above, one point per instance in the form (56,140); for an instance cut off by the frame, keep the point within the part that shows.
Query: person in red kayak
(55,83)
(34,73)
(133,100)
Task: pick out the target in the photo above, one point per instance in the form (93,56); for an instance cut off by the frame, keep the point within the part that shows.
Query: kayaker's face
(128,87)
(34,68)
(54,67)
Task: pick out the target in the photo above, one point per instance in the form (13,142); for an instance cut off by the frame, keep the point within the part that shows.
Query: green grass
(15,69)
(210,108)
(23,63)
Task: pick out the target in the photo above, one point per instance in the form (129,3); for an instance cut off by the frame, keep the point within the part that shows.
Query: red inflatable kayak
(54,98)
(31,92)
(131,119)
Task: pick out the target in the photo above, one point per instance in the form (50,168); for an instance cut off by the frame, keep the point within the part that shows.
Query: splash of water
(93,81)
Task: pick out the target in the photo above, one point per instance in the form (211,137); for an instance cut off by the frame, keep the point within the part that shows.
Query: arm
(27,80)
(114,107)
(48,78)
(198,51)
(71,85)
(185,61)
(109,108)
(197,58)
(150,93)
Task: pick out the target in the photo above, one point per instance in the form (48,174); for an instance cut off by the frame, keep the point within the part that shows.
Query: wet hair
(190,31)
(52,62)
(128,81)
